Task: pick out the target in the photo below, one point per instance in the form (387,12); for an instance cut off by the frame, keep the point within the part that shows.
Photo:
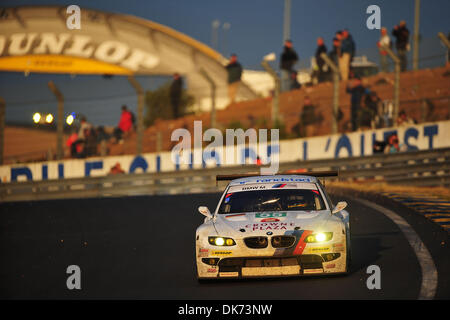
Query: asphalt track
(143,248)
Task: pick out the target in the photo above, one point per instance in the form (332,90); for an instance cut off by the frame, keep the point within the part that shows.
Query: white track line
(429,272)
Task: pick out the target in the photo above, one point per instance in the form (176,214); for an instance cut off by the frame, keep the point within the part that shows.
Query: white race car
(267,226)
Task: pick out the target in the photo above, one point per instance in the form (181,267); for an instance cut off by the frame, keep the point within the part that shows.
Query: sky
(256,30)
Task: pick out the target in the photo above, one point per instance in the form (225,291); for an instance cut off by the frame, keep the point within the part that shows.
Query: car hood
(241,225)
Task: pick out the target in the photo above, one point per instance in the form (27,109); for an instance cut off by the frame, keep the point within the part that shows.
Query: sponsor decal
(282,185)
(283,180)
(301,244)
(311,271)
(338,247)
(221,253)
(270,215)
(227,197)
(249,188)
(203,252)
(235,215)
(72,52)
(228,274)
(270,220)
(318,249)
(270,226)
(212,270)
(330,266)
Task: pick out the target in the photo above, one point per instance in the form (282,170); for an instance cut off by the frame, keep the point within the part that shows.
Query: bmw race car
(279,225)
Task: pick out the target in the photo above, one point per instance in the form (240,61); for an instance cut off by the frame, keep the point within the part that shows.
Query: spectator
(403,119)
(357,92)
(308,118)
(347,49)
(84,124)
(133,119)
(288,59)
(384,41)
(126,120)
(101,134)
(336,52)
(79,144)
(125,124)
(379,146)
(175,94)
(73,144)
(90,146)
(295,85)
(365,117)
(393,145)
(234,70)
(346,34)
(401,33)
(373,103)
(321,48)
(116,169)
(102,139)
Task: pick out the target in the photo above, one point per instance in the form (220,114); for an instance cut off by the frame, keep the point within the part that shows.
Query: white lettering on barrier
(417,137)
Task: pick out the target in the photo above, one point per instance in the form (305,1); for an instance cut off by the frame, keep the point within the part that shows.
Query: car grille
(276,242)
(291,265)
(282,241)
(256,242)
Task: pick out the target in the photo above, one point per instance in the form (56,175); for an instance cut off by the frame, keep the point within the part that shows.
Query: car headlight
(221,241)
(319,237)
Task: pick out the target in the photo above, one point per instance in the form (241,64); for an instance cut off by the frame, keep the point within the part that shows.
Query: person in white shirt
(384,41)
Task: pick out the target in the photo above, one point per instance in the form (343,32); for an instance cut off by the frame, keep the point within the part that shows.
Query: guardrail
(420,168)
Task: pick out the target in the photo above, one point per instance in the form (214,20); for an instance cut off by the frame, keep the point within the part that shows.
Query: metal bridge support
(335,69)
(140,112)
(213,96)
(446,42)
(275,100)
(59,120)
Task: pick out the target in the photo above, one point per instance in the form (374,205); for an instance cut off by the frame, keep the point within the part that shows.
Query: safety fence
(420,168)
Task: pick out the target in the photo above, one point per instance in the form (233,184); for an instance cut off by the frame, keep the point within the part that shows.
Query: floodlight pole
(287,20)
(275,101)
(397,62)
(2,127)
(416,35)
(59,120)
(335,69)
(140,112)
(213,96)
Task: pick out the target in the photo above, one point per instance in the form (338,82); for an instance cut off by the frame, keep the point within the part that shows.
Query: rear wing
(317,174)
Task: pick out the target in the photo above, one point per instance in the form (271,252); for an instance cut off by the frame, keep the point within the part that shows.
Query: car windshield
(272,200)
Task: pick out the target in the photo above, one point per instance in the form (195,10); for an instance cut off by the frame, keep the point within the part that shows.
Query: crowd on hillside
(366,108)
(341,55)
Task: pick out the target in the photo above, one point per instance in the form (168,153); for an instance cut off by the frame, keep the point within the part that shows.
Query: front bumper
(246,263)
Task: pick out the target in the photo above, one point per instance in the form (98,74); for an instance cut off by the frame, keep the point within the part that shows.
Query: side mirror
(205,211)
(341,205)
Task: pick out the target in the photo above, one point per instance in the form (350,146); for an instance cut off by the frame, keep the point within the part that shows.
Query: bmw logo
(269,233)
